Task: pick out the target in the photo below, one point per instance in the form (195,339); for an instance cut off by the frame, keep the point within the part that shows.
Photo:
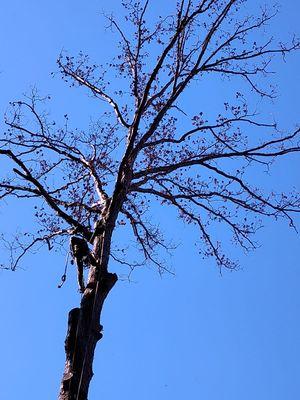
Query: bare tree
(92,182)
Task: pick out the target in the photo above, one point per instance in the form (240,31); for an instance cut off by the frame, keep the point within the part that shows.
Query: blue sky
(196,335)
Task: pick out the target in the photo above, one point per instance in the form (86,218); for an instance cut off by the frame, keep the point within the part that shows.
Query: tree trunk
(84,331)
(84,328)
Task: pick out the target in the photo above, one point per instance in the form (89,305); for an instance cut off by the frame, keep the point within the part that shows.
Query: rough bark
(84,328)
(84,331)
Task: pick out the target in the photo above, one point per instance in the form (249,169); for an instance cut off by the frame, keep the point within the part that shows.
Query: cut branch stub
(84,331)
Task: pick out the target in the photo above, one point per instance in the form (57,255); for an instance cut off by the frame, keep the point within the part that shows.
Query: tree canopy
(150,146)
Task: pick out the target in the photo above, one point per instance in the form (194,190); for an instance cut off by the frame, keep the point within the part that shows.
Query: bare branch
(96,91)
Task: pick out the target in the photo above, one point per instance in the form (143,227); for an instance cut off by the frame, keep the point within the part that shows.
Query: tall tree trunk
(84,329)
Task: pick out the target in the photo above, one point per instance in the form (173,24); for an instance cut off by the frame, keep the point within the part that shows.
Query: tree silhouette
(95,181)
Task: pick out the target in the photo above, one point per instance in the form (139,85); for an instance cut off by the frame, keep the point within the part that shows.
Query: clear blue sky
(194,336)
